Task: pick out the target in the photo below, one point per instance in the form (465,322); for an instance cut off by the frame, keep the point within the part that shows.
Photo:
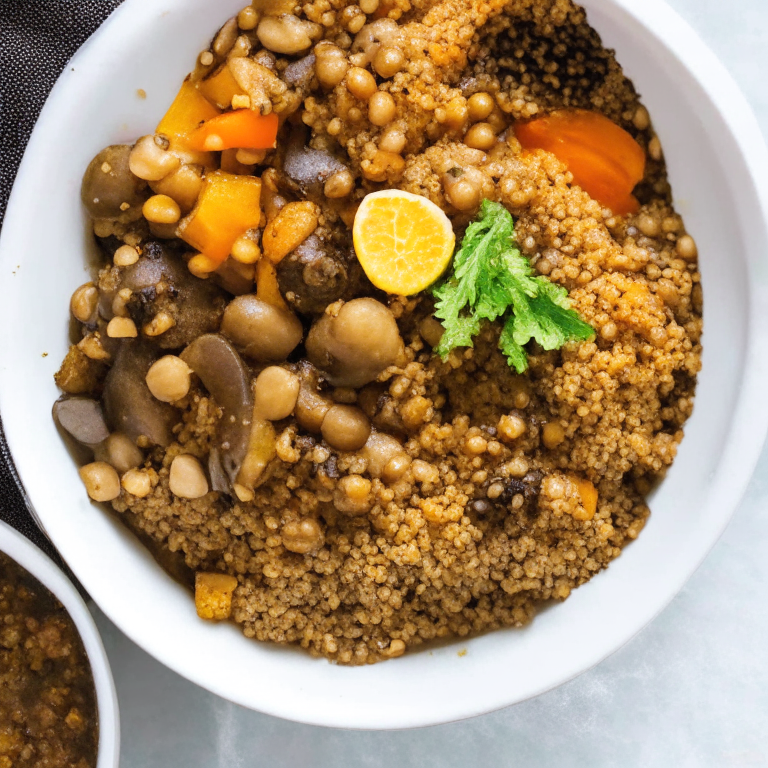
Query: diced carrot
(241,129)
(228,207)
(189,110)
(588,494)
(220,87)
(606,162)
(267,287)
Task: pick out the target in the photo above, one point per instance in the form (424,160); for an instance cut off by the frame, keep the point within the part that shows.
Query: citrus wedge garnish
(404,242)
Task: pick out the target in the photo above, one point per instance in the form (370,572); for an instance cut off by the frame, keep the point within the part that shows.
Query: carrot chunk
(267,287)
(605,161)
(220,87)
(188,110)
(227,208)
(241,129)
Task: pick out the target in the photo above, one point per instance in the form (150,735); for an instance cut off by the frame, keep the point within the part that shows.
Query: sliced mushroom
(83,418)
(228,381)
(308,168)
(161,282)
(299,73)
(109,189)
(129,406)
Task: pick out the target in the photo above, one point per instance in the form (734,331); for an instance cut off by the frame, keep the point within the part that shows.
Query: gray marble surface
(691,690)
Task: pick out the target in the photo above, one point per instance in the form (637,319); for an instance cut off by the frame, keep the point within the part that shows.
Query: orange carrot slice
(241,129)
(605,161)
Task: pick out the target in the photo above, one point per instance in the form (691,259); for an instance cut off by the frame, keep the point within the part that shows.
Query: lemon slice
(404,242)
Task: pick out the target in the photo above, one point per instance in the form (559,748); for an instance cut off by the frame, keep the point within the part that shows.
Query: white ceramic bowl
(29,557)
(718,162)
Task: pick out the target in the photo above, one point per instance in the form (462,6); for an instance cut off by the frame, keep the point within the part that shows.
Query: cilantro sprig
(491,279)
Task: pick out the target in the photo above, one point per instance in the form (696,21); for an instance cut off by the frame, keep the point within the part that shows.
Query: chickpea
(431,330)
(284,34)
(369,6)
(169,379)
(379,450)
(361,83)
(275,393)
(187,479)
(331,64)
(392,140)
(245,250)
(248,18)
(642,120)
(250,156)
(85,303)
(119,451)
(150,159)
(183,185)
(552,434)
(303,537)
(161,209)
(480,105)
(137,482)
(159,324)
(388,61)
(686,248)
(339,184)
(353,19)
(511,427)
(353,495)
(119,303)
(649,225)
(396,468)
(654,149)
(101,481)
(480,136)
(122,328)
(464,189)
(346,428)
(125,256)
(381,108)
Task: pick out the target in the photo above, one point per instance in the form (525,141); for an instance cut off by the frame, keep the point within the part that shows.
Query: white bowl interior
(708,133)
(29,557)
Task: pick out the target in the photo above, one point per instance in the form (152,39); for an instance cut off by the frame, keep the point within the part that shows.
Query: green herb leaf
(492,278)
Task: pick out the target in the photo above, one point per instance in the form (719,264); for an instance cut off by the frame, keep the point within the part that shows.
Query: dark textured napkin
(37,39)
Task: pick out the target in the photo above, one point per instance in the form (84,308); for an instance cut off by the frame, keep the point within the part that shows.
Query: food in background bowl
(345,434)
(48,712)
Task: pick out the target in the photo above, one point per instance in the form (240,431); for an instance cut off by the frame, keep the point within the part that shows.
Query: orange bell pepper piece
(227,208)
(188,110)
(241,129)
(267,287)
(605,161)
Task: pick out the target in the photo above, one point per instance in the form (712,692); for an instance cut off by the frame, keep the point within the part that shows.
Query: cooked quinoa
(466,509)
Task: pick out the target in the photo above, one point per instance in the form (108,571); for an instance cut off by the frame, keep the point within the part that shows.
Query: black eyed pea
(169,379)
(101,481)
(187,479)
(275,392)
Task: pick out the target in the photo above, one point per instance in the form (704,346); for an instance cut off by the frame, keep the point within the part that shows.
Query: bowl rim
(664,26)
(40,566)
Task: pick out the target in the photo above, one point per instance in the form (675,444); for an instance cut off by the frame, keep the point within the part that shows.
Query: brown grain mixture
(473,501)
(47,699)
